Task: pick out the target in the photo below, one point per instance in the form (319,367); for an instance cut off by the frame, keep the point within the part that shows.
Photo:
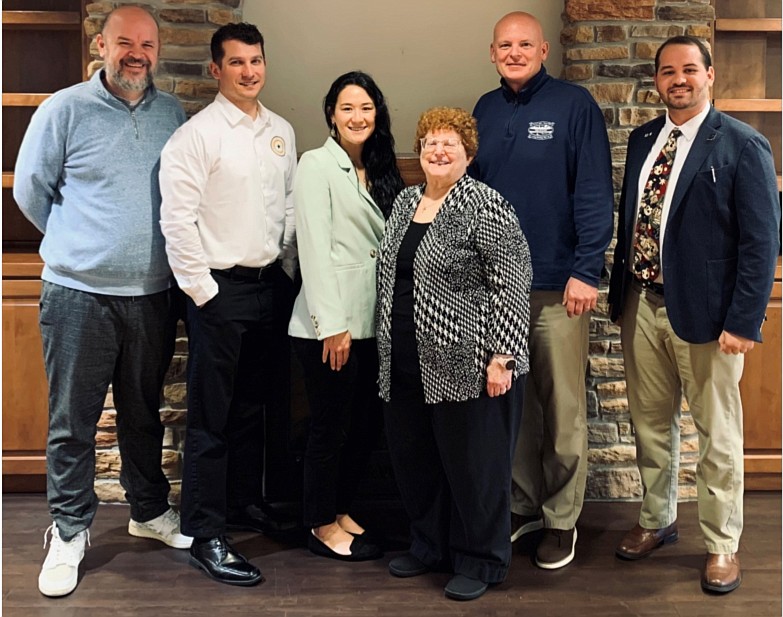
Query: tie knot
(676,132)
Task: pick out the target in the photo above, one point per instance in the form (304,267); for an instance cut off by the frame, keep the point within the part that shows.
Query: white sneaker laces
(61,551)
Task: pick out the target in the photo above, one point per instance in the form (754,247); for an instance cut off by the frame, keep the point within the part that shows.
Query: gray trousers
(91,341)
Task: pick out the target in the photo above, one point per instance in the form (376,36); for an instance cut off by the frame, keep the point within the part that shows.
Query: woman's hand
(498,376)
(337,348)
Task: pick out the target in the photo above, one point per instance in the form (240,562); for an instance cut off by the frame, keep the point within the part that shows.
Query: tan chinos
(660,368)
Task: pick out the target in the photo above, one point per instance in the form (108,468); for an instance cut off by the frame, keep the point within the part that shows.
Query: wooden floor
(122,575)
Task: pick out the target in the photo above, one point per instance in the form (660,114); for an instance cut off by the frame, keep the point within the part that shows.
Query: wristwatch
(509,364)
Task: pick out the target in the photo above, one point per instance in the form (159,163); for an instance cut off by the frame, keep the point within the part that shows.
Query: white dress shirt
(227,187)
(684,143)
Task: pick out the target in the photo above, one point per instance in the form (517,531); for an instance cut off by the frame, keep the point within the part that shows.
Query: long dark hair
(380,163)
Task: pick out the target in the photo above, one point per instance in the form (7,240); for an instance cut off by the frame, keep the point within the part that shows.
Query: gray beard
(127,84)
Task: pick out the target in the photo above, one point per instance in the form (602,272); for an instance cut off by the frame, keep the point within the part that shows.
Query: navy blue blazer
(722,231)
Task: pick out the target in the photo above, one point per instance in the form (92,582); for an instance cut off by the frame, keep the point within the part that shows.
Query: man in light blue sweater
(87,177)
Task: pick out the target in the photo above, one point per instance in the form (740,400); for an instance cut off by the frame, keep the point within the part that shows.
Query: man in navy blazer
(687,323)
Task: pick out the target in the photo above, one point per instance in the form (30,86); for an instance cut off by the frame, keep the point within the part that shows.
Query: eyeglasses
(430,143)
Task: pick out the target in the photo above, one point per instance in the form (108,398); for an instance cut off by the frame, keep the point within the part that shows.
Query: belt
(246,273)
(648,286)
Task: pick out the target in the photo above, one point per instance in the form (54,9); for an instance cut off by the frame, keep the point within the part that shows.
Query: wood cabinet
(44,50)
(761,400)
(747,55)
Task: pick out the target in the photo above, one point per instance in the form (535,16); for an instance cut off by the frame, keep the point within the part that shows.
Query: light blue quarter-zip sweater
(87,177)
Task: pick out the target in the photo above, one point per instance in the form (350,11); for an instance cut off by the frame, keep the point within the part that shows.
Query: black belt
(246,273)
(648,286)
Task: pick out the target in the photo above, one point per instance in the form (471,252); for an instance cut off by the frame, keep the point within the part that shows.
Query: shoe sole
(563,562)
(140,532)
(59,592)
(249,583)
(670,539)
(407,573)
(722,588)
(464,597)
(526,529)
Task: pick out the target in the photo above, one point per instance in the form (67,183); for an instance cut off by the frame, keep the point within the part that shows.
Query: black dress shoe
(220,562)
(360,550)
(259,519)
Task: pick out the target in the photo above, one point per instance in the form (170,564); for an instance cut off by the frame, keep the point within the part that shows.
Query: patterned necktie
(646,253)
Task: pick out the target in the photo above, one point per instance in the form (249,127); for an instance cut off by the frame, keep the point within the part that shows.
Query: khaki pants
(550,463)
(660,367)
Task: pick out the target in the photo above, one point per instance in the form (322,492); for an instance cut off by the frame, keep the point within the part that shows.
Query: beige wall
(421,53)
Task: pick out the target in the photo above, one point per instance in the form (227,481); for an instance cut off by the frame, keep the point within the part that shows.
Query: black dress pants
(345,421)
(452,462)
(239,357)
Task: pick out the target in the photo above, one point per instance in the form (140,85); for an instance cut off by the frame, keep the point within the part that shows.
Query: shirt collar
(689,128)
(234,115)
(526,93)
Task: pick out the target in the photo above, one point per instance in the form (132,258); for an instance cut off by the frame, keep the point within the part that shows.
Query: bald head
(133,12)
(518,49)
(519,18)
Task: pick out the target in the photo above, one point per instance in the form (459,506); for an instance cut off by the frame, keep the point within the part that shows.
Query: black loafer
(360,550)
(463,587)
(220,562)
(406,566)
(261,519)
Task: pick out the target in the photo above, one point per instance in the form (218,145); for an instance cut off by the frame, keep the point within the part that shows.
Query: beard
(116,75)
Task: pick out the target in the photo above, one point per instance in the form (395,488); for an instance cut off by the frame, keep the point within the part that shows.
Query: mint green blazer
(338,230)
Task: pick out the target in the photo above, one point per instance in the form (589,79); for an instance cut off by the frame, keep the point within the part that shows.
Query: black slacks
(345,421)
(239,358)
(452,462)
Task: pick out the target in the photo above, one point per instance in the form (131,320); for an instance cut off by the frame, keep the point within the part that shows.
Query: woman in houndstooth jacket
(452,320)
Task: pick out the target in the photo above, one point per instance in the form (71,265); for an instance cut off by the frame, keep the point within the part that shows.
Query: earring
(333,132)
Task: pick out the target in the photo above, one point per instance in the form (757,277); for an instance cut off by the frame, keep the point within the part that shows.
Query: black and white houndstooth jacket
(471,276)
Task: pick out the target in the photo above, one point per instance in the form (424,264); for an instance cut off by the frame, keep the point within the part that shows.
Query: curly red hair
(448,119)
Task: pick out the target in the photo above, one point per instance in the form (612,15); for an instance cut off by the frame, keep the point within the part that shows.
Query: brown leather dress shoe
(640,542)
(721,573)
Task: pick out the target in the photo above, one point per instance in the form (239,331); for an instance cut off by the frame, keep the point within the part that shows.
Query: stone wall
(186,27)
(608,47)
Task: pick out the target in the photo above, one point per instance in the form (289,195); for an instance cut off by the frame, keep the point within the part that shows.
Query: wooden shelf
(22,265)
(24,99)
(748,104)
(42,19)
(8,179)
(761,24)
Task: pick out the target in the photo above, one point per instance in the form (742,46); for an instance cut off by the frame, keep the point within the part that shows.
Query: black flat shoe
(220,562)
(463,587)
(360,550)
(261,519)
(368,537)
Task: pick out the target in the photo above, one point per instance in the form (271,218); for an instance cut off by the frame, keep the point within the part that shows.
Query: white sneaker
(60,571)
(164,528)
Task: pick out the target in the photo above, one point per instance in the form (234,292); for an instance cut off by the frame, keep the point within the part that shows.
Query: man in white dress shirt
(227,216)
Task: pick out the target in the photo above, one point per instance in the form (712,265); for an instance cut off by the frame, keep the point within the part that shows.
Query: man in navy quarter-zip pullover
(543,146)
(87,177)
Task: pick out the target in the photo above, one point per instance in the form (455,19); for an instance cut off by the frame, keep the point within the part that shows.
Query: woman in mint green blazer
(343,193)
